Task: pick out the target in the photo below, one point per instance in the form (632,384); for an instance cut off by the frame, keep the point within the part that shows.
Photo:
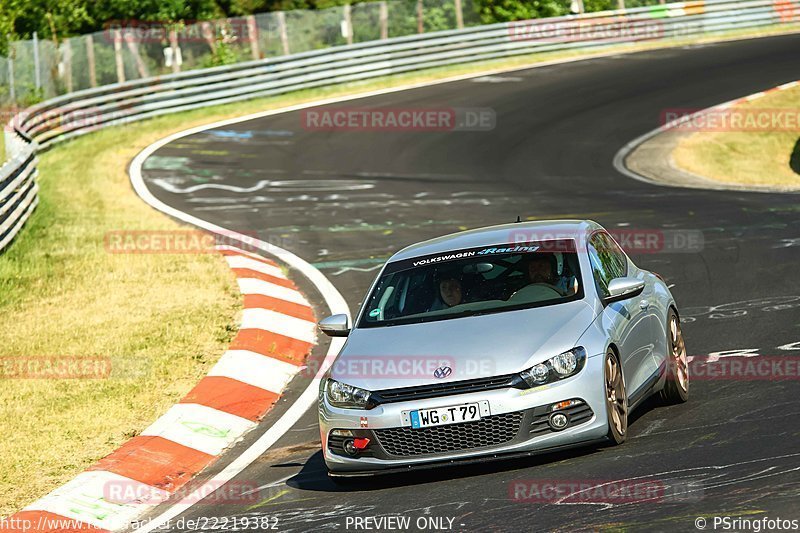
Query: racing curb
(649,158)
(276,334)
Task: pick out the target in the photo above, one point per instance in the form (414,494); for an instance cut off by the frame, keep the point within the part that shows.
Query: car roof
(501,234)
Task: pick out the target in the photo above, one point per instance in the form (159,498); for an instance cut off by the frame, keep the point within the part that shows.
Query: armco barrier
(78,113)
(18,186)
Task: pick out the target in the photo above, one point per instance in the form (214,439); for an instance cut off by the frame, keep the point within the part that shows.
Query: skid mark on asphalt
(355,269)
(741,308)
(735,420)
(266,185)
(700,479)
(654,425)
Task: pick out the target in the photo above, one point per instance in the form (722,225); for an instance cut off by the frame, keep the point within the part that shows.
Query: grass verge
(762,158)
(162,319)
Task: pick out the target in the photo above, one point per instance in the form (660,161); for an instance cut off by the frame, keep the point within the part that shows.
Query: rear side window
(607,259)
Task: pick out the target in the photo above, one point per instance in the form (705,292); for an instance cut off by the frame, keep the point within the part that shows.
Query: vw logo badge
(442,372)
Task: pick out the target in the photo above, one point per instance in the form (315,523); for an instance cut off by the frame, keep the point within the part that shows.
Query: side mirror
(623,288)
(335,326)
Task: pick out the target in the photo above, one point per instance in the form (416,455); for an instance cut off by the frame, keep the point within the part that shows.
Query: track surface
(346,200)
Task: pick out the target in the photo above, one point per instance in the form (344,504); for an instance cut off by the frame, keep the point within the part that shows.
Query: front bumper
(516,425)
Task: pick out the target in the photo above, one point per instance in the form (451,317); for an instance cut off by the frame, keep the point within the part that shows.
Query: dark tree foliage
(55,19)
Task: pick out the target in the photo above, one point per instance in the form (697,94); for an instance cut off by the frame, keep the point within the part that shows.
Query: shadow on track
(794,161)
(314,477)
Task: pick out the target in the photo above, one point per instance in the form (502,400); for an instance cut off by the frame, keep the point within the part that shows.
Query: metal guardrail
(78,113)
(18,186)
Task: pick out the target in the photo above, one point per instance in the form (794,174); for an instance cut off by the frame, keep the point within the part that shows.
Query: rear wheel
(676,389)
(616,399)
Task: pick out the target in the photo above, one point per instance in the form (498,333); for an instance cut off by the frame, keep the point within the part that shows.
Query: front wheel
(676,389)
(616,399)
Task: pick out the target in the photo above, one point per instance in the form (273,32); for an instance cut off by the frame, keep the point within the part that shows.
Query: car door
(628,320)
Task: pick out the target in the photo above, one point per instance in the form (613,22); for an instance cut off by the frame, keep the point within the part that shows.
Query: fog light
(342,433)
(558,421)
(350,447)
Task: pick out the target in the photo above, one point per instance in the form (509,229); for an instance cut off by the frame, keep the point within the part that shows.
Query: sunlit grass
(747,157)
(161,319)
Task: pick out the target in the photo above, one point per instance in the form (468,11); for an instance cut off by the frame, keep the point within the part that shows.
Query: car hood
(473,347)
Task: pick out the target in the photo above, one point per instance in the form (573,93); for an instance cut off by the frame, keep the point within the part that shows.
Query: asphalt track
(346,200)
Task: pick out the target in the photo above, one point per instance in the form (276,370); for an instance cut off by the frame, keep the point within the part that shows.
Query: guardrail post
(90,61)
(384,19)
(37,75)
(420,20)
(347,24)
(252,34)
(620,4)
(66,58)
(130,40)
(208,35)
(173,45)
(283,33)
(459,15)
(577,7)
(118,56)
(12,92)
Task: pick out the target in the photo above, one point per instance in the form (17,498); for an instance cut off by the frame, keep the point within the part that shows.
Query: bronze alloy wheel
(676,389)
(616,399)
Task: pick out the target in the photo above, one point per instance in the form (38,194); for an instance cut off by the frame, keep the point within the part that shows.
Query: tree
(509,10)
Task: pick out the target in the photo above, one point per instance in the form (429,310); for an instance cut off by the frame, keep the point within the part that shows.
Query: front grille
(444,389)
(490,431)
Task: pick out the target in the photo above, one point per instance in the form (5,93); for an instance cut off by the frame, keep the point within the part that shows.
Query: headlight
(347,396)
(559,367)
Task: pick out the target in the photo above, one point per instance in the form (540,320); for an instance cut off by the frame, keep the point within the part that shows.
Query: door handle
(644,304)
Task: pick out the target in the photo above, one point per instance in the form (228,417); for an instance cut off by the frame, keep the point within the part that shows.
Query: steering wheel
(536,292)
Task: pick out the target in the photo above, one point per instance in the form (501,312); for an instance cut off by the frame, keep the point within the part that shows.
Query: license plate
(441,416)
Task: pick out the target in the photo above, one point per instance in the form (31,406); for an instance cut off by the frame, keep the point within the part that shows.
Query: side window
(608,261)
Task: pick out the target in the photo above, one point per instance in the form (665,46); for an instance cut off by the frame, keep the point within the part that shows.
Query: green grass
(761,158)
(163,320)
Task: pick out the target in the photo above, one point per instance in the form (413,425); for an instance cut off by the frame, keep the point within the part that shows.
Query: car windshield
(474,281)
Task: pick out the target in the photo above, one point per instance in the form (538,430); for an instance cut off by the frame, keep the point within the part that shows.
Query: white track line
(333,298)
(625,151)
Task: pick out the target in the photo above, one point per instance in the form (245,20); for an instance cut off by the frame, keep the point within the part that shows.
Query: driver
(541,270)
(450,291)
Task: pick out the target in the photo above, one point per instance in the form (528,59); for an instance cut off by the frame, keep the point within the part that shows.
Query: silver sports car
(498,342)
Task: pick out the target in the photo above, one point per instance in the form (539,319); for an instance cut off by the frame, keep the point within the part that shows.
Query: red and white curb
(622,154)
(276,334)
(750,98)
(725,105)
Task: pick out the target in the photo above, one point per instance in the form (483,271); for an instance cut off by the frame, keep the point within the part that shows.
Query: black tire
(676,388)
(616,399)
